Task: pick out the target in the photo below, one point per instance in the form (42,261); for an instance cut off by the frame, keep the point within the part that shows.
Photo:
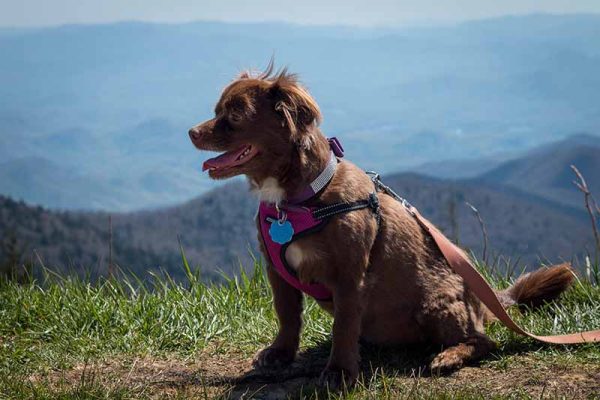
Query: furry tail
(537,287)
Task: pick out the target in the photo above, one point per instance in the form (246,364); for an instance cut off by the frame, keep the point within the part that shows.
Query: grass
(66,338)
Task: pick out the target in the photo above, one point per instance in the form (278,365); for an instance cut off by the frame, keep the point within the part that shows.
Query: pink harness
(304,223)
(281,227)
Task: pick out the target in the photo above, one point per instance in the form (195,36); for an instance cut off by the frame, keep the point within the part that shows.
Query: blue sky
(350,12)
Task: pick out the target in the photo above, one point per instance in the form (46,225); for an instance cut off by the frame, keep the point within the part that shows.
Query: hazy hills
(217,231)
(104,109)
(546,172)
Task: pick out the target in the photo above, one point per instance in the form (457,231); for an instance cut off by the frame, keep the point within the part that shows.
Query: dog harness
(282,224)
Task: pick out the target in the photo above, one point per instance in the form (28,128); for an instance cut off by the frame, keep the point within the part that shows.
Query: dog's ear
(296,107)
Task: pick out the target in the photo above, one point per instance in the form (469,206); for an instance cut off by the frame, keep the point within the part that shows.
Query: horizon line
(422,24)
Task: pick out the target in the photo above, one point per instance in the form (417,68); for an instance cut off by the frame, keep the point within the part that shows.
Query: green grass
(57,325)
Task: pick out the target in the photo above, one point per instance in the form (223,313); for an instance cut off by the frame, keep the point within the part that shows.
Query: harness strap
(338,208)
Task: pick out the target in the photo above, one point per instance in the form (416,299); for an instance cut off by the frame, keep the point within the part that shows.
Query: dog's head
(261,125)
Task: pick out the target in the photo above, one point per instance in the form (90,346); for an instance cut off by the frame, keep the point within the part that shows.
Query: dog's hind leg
(456,356)
(288,306)
(454,318)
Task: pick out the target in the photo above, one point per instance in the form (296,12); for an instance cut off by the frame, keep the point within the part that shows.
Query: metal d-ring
(281,214)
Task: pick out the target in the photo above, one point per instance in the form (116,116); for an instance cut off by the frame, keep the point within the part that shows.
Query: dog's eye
(235,117)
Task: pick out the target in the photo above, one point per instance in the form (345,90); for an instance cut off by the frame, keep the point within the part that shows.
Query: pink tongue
(222,161)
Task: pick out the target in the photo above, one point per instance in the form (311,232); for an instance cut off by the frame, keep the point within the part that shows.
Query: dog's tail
(537,287)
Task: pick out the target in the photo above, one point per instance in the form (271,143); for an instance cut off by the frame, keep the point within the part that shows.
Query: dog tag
(280,232)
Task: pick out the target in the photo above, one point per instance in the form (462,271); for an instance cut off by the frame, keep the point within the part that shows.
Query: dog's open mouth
(229,160)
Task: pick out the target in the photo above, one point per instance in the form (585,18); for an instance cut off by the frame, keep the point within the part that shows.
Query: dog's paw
(274,357)
(336,378)
(446,362)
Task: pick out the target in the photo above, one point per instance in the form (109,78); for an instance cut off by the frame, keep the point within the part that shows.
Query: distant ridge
(546,171)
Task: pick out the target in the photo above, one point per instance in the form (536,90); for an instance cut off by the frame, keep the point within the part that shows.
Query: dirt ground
(231,376)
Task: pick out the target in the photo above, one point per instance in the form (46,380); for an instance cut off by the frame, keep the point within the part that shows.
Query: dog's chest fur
(294,255)
(304,257)
(269,190)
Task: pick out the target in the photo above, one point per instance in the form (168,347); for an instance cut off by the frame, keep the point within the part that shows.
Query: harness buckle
(374,202)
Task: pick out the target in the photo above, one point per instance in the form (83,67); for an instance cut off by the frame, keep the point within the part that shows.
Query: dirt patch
(529,376)
(231,376)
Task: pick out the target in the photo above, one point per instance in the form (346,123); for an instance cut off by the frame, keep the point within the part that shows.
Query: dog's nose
(193,134)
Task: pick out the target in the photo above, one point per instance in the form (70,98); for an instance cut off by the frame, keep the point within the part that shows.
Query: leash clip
(388,190)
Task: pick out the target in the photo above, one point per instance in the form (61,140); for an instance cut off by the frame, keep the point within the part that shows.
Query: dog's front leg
(288,306)
(342,368)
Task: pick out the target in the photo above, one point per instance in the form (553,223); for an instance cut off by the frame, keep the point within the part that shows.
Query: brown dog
(389,282)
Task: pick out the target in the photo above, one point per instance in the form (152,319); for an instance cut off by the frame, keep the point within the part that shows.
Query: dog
(387,279)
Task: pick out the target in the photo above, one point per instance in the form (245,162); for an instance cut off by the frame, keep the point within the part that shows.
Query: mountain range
(531,217)
(94,117)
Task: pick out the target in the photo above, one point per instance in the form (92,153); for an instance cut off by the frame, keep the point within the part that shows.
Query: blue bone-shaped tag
(280,232)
